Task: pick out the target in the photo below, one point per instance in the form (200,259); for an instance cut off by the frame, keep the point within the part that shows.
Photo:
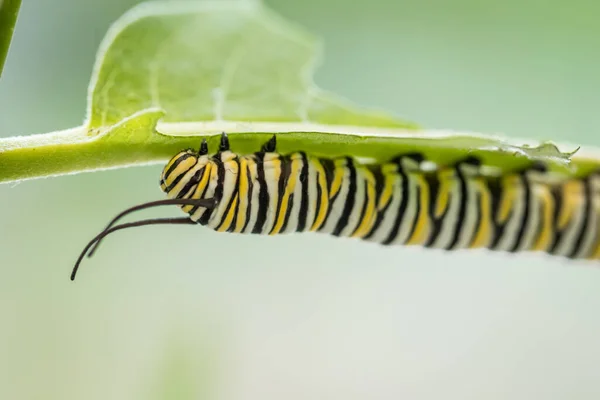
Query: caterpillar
(405,201)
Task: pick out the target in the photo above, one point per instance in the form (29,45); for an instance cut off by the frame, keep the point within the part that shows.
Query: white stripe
(569,236)
(450,218)
(255,191)
(337,206)
(292,223)
(407,220)
(387,223)
(592,228)
(469,224)
(231,173)
(312,196)
(511,228)
(273,189)
(534,219)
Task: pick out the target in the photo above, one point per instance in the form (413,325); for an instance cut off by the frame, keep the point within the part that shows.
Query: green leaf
(9,9)
(215,61)
(171,73)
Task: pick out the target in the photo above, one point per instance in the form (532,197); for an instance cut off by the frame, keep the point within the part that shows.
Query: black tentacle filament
(93,244)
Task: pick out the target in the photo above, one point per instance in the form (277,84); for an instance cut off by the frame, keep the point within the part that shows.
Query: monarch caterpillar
(403,201)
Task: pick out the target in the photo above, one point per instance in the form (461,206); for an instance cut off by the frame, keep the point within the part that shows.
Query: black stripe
(250,189)
(195,208)
(496,192)
(433,181)
(557,196)
(180,176)
(193,181)
(462,210)
(329,167)
(319,194)
(218,190)
(379,188)
(178,161)
(403,205)
(284,175)
(263,195)
(593,194)
(236,193)
(525,216)
(584,226)
(350,199)
(304,199)
(288,212)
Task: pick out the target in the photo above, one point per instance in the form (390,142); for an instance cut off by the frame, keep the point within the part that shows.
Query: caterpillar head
(182,172)
(189,180)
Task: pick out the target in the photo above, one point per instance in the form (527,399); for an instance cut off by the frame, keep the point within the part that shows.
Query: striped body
(398,202)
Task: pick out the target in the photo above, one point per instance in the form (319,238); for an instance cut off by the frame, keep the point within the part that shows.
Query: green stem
(9,9)
(133,144)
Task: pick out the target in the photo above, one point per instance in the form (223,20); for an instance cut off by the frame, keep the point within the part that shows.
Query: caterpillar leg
(270,146)
(203,148)
(414,159)
(224,145)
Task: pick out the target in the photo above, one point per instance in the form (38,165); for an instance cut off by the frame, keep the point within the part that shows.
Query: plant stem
(9,9)
(133,144)
(74,151)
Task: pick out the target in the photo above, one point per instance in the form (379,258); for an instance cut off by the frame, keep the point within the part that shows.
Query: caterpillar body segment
(399,202)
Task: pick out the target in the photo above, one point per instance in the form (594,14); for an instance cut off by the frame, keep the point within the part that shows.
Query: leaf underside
(191,69)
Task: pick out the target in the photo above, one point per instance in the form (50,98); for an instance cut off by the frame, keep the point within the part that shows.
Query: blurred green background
(186,313)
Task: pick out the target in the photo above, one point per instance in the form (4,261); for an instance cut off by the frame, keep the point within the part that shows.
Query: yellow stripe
(390,173)
(509,194)
(183,167)
(419,234)
(484,230)
(289,189)
(183,182)
(231,166)
(201,185)
(571,196)
(229,218)
(369,218)
(324,204)
(212,173)
(243,195)
(596,253)
(338,177)
(446,178)
(542,192)
(172,161)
